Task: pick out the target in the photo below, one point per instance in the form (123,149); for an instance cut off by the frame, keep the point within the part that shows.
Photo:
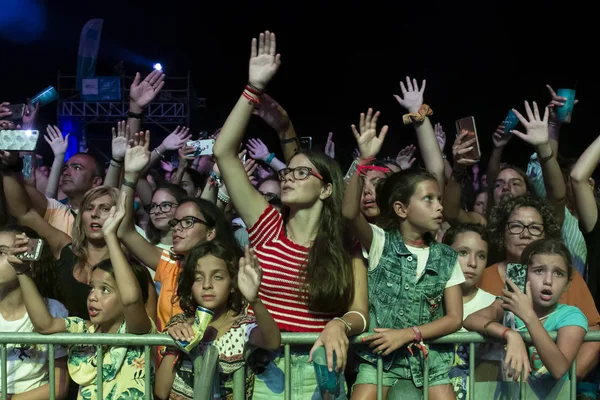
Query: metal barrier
(287,340)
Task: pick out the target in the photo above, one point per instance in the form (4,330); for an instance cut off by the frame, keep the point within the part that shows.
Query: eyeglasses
(516,228)
(299,173)
(186,222)
(164,207)
(269,196)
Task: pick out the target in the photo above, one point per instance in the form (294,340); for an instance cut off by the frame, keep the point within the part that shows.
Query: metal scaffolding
(171,107)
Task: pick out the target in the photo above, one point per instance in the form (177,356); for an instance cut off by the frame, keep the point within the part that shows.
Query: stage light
(158,66)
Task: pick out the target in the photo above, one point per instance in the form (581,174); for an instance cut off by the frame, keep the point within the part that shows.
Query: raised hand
(177,138)
(249,275)
(330,146)
(412,96)
(4,111)
(500,137)
(137,155)
(257,149)
(19,246)
(369,144)
(120,140)
(460,147)
(55,139)
(440,135)
(141,93)
(537,127)
(186,153)
(405,157)
(264,60)
(115,216)
(556,101)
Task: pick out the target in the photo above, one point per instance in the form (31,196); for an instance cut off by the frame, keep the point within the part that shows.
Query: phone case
(203,147)
(34,250)
(468,124)
(22,140)
(518,274)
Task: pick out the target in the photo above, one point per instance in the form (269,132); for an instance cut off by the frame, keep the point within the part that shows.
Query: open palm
(264,61)
(249,275)
(137,155)
(369,144)
(143,92)
(412,96)
(537,127)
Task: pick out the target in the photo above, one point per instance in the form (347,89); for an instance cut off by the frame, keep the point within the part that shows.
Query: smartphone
(518,274)
(34,250)
(27,166)
(203,147)
(468,124)
(306,142)
(19,140)
(18,110)
(44,97)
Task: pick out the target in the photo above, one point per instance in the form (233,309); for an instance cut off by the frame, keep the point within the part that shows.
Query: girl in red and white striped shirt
(310,283)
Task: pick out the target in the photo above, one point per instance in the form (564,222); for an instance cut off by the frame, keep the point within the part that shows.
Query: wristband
(419,116)
(223,197)
(135,115)
(485,332)
(270,158)
(547,158)
(161,155)
(363,319)
(505,332)
(130,184)
(348,326)
(251,88)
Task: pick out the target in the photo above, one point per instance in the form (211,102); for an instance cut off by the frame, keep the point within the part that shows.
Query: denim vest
(397,299)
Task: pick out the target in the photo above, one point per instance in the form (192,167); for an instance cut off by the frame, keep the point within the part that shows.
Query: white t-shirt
(481,300)
(27,364)
(422,255)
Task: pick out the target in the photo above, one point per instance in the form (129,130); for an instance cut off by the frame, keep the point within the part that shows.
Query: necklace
(415,243)
(306,243)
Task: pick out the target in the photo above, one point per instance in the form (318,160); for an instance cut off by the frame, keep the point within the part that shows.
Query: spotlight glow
(157,66)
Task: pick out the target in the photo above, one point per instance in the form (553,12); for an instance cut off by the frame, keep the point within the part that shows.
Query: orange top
(577,294)
(167,273)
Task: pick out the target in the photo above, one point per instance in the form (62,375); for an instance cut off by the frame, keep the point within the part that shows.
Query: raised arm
(453,211)
(136,317)
(136,158)
(59,146)
(538,136)
(141,93)
(42,320)
(277,118)
(259,151)
(369,145)
(429,148)
(583,189)
(264,63)
(120,138)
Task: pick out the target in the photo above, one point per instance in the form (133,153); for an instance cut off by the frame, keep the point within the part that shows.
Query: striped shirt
(282,261)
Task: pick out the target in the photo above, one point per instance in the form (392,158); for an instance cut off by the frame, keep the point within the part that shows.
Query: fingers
(253,48)
(261,43)
(520,117)
(272,44)
(528,111)
(409,85)
(355,132)
(536,111)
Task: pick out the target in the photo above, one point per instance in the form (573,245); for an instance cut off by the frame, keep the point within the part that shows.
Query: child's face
(548,275)
(7,272)
(104,301)
(424,210)
(213,284)
(480,205)
(368,203)
(472,256)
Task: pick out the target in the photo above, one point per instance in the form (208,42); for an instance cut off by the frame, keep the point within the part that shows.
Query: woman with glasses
(513,225)
(309,283)
(165,200)
(192,222)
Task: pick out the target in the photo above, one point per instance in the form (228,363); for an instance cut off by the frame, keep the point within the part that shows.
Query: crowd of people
(400,251)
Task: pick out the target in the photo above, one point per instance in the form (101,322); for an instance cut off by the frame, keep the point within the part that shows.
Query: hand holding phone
(17,111)
(203,147)
(468,125)
(34,250)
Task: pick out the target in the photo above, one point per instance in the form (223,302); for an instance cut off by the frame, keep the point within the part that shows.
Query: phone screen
(468,125)
(17,111)
(518,274)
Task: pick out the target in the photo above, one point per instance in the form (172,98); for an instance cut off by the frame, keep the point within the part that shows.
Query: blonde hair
(80,242)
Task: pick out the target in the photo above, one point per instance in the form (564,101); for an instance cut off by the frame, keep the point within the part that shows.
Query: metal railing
(208,364)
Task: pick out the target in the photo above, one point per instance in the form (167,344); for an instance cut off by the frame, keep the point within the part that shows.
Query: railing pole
(239,384)
(471,394)
(3,370)
(380,378)
(51,377)
(425,379)
(573,373)
(148,373)
(100,371)
(287,372)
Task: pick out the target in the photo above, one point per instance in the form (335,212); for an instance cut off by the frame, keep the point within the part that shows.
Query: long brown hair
(328,282)
(80,242)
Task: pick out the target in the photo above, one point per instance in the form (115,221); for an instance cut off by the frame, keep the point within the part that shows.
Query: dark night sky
(479,58)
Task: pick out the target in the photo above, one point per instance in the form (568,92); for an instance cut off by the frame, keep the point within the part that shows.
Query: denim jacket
(398,300)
